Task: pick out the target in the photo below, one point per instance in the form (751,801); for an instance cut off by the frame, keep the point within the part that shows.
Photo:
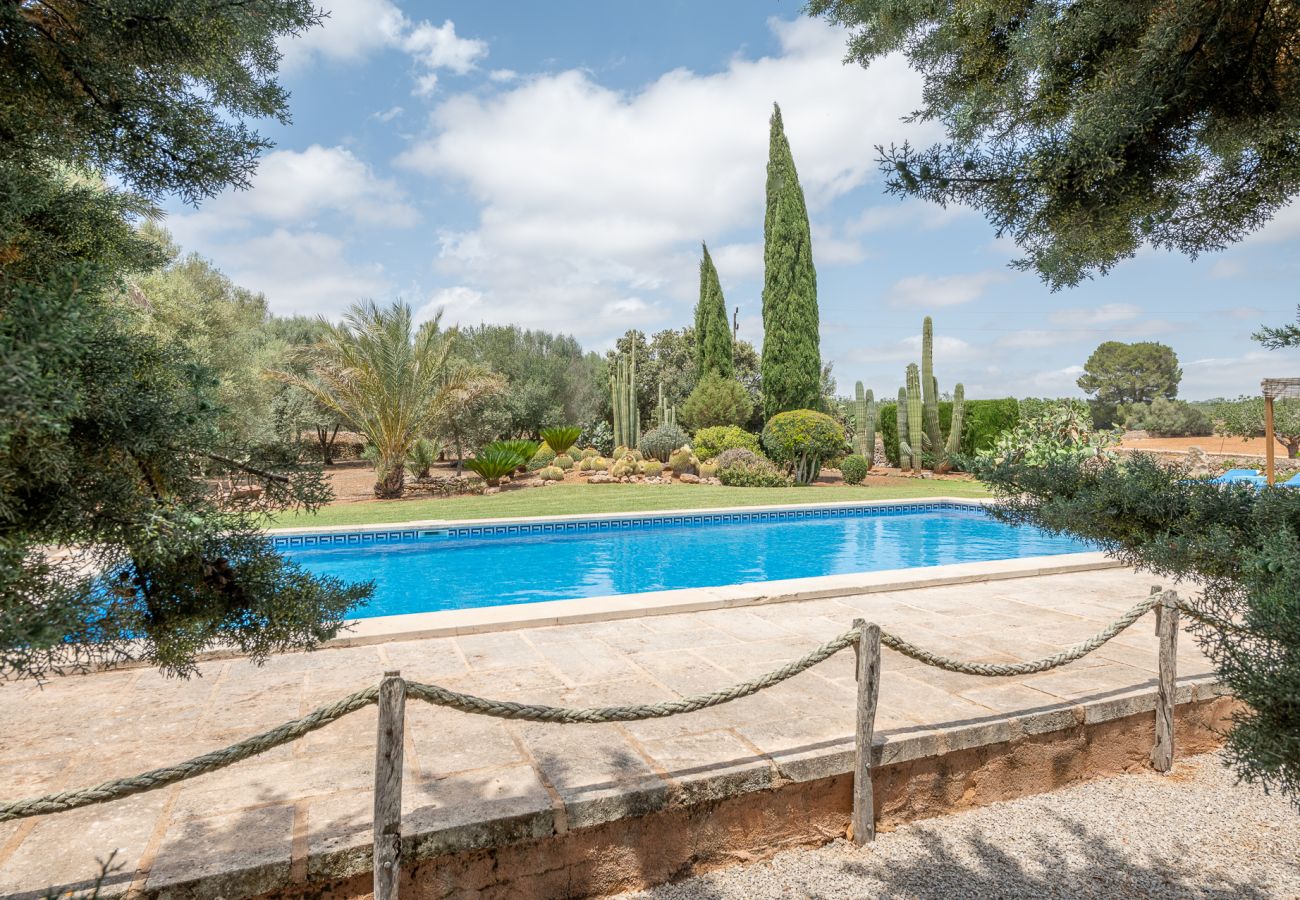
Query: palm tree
(383,375)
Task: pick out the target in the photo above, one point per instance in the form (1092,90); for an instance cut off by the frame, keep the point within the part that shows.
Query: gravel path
(1192,834)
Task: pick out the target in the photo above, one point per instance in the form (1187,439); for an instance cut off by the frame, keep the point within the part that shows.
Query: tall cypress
(712,332)
(792,363)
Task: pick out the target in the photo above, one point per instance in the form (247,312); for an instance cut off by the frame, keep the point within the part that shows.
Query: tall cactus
(622,386)
(953,446)
(930,387)
(666,414)
(904,449)
(864,424)
(915,433)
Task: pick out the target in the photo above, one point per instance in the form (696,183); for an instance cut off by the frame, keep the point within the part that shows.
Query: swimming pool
(469,566)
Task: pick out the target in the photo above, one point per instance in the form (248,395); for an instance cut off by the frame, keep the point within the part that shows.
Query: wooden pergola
(1275,389)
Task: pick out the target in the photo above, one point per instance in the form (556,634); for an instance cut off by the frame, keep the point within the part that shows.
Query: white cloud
(907,214)
(302,272)
(1231,376)
(1105,314)
(908,349)
(293,187)
(388,115)
(439,47)
(352,31)
(503,75)
(1282,227)
(612,191)
(926,291)
(739,261)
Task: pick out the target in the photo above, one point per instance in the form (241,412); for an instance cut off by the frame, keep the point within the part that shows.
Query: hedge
(985,420)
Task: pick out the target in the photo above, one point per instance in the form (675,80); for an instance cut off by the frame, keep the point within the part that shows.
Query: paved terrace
(279,817)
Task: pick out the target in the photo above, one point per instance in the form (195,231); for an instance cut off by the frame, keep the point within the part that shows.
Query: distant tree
(792,363)
(1244,418)
(1117,373)
(381,374)
(466,414)
(1087,129)
(716,400)
(713,339)
(668,358)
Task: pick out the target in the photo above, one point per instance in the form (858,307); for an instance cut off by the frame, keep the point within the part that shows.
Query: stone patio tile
(1073,684)
(426,660)
(711,764)
(644,640)
(923,703)
(1007,698)
(494,682)
(811,628)
(739,625)
(498,650)
(685,673)
(447,741)
(241,853)
(63,851)
(477,809)
(354,733)
(588,662)
(247,784)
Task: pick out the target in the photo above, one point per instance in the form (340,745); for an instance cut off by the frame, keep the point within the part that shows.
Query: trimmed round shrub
(682,462)
(736,455)
(542,458)
(662,441)
(715,401)
(564,461)
(854,469)
(803,439)
(551,473)
(757,472)
(709,442)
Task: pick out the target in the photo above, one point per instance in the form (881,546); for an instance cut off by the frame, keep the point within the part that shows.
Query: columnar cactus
(622,385)
(666,414)
(929,387)
(915,433)
(864,425)
(904,450)
(953,446)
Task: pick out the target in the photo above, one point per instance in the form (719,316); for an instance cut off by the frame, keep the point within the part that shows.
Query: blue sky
(557,165)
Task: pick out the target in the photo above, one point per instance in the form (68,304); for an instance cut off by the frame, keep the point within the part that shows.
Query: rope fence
(391,694)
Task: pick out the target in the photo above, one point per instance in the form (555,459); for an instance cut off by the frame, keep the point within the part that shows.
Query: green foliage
(854,468)
(563,461)
(525,449)
(383,376)
(709,442)
(735,455)
(562,438)
(423,456)
(717,400)
(1167,418)
(757,472)
(683,461)
(1117,373)
(495,461)
(802,440)
(985,421)
(112,442)
(792,363)
(1244,418)
(662,441)
(713,351)
(551,473)
(601,436)
(1085,130)
(1282,336)
(1240,547)
(1057,432)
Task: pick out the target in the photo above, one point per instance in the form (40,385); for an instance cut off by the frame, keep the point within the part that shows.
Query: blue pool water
(473,566)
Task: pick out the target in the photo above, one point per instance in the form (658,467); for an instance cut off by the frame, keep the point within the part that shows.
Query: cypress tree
(792,365)
(712,333)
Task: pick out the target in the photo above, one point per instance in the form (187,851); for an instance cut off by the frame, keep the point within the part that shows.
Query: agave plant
(494,462)
(525,448)
(560,439)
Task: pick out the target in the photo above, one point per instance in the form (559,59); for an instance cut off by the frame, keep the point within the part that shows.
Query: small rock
(600,478)
(492,490)
(505,479)
(688,478)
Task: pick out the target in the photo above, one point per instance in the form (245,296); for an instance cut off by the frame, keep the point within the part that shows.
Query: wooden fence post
(864,805)
(1162,755)
(388,786)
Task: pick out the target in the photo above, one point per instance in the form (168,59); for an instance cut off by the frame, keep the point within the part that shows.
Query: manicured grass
(565,499)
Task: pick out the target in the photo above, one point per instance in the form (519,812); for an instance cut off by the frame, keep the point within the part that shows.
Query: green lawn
(605,498)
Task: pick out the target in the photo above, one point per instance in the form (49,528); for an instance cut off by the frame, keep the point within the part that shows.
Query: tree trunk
(391,482)
(1292,445)
(460,459)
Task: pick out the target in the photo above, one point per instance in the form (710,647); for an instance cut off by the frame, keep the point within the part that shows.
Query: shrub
(493,462)
(542,458)
(662,441)
(1168,418)
(709,442)
(651,468)
(737,455)
(803,439)
(854,469)
(683,462)
(551,473)
(757,472)
(421,458)
(717,401)
(564,461)
(562,438)
(601,436)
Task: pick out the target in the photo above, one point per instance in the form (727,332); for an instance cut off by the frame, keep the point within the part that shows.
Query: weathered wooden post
(388,786)
(864,805)
(1162,755)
